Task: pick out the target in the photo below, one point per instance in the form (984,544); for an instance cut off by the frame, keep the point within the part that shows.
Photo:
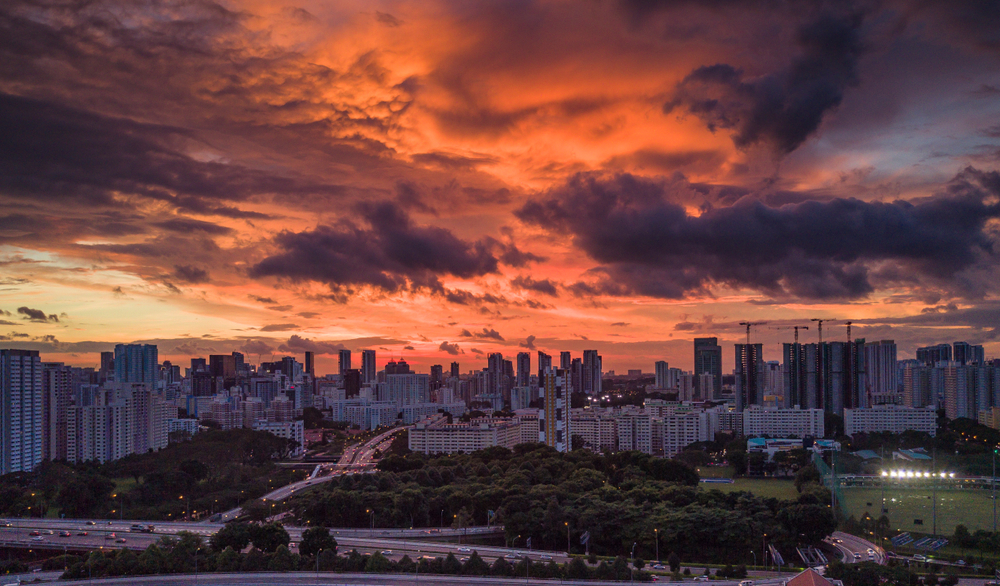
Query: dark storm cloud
(485,334)
(649,245)
(452,349)
(60,152)
(37,315)
(297,344)
(391,254)
(783,108)
(528,343)
(540,286)
(191,274)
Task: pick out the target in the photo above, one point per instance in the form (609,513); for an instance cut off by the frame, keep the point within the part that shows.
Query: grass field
(972,508)
(765,487)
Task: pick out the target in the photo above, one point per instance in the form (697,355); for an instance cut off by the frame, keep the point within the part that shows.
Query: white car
(545,556)
(465,550)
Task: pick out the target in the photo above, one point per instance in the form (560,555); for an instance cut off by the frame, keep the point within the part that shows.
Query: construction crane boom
(820,326)
(750,324)
(796,328)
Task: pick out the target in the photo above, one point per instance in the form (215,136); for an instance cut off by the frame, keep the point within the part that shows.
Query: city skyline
(442,181)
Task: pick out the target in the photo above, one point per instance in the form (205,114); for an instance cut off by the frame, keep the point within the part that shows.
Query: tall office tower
(57,387)
(962,353)
(565,359)
(662,372)
(749,375)
(368,368)
(137,363)
(21,410)
(454,369)
(708,360)
(576,375)
(107,366)
(437,375)
(352,383)
(882,385)
(931,355)
(400,367)
(310,366)
(773,383)
(978,355)
(223,366)
(553,417)
(494,373)
(344,361)
(544,363)
(199,365)
(523,368)
(592,372)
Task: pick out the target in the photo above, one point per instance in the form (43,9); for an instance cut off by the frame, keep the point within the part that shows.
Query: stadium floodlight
(927,474)
(943,475)
(952,475)
(884,473)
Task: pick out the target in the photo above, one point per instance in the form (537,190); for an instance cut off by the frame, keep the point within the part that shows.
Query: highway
(308,578)
(360,457)
(855,549)
(107,536)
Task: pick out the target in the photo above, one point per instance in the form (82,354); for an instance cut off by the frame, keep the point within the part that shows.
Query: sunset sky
(439,180)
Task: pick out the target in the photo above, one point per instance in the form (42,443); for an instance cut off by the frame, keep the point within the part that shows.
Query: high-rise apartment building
(544,363)
(368,368)
(662,370)
(58,395)
(553,417)
(708,360)
(749,375)
(523,368)
(592,372)
(454,369)
(21,410)
(565,359)
(344,361)
(137,363)
(965,353)
(880,373)
(931,355)
(107,371)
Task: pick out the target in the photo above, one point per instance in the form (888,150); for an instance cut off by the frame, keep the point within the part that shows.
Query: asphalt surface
(855,549)
(356,459)
(306,578)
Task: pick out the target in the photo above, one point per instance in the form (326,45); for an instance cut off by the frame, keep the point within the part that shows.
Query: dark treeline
(265,548)
(540,494)
(215,470)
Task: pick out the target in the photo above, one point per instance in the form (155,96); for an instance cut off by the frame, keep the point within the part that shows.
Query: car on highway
(38,538)
(658,567)
(82,534)
(920,558)
(386,552)
(701,578)
(120,540)
(65,534)
(545,556)
(510,556)
(49,532)
(857,556)
(960,563)
(91,523)
(35,533)
(8,524)
(465,549)
(109,536)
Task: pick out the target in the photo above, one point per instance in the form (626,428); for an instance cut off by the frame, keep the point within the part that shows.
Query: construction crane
(750,324)
(849,332)
(820,328)
(796,328)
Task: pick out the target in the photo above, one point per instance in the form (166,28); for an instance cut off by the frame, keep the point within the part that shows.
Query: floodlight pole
(934,485)
(993,485)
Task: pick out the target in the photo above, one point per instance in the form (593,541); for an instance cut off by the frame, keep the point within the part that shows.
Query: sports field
(972,508)
(765,487)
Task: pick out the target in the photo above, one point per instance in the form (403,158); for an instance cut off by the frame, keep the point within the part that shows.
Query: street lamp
(656,538)
(632,565)
(567,537)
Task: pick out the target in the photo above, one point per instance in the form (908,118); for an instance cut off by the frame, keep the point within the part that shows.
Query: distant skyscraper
(344,361)
(137,363)
(553,417)
(544,363)
(523,368)
(58,394)
(794,375)
(931,355)
(199,365)
(368,368)
(454,369)
(576,375)
(880,373)
(107,366)
(749,375)
(662,369)
(565,359)
(352,383)
(592,372)
(311,364)
(708,360)
(437,374)
(21,410)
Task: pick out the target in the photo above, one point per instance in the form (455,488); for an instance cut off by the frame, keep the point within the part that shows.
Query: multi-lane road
(356,458)
(855,549)
(103,535)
